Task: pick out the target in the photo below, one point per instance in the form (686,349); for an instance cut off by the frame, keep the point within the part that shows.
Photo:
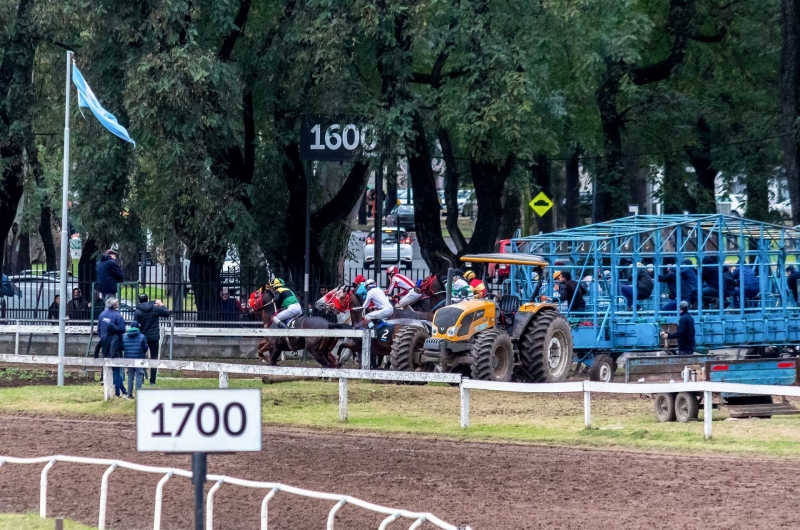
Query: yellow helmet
(469,276)
(277,282)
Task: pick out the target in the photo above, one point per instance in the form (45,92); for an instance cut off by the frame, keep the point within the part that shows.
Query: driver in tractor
(376,297)
(287,302)
(398,282)
(460,290)
(476,284)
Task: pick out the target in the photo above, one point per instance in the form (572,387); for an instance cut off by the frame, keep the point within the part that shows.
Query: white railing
(392,514)
(587,387)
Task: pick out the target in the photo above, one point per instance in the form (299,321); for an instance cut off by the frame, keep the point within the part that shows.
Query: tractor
(497,339)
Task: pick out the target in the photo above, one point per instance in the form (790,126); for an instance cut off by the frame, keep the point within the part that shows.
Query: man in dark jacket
(644,286)
(108,274)
(685,333)
(134,346)
(78,307)
(791,281)
(110,315)
(147,314)
(571,292)
(688,279)
(112,349)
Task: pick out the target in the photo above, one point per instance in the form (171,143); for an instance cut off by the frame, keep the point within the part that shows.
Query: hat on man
(112,252)
(684,305)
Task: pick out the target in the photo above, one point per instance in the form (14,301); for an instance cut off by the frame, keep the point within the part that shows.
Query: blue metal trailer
(741,297)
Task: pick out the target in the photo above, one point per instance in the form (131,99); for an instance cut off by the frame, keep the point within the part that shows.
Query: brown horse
(320,348)
(433,295)
(379,347)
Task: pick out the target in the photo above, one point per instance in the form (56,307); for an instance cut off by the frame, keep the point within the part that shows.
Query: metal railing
(392,514)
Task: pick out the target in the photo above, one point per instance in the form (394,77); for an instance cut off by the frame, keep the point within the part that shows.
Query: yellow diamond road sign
(541,204)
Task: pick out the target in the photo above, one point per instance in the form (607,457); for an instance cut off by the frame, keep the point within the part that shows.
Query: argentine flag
(86,98)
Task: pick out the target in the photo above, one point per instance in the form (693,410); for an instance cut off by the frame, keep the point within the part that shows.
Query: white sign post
(198,422)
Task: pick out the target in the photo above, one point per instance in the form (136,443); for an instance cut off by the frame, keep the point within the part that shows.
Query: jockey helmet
(370,284)
(358,280)
(458,272)
(391,271)
(469,276)
(277,282)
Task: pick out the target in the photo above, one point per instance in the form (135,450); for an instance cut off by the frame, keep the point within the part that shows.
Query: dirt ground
(488,486)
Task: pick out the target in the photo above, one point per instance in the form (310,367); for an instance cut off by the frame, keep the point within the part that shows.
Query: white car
(389,247)
(737,204)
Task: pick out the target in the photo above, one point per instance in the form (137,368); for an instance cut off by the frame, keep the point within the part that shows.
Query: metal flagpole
(62,307)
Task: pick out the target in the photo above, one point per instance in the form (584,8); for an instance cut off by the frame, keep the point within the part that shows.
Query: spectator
(710,276)
(147,314)
(685,333)
(111,349)
(110,316)
(109,275)
(134,346)
(78,307)
(729,283)
(571,292)
(688,279)
(98,306)
(227,306)
(644,286)
(52,311)
(747,276)
(791,281)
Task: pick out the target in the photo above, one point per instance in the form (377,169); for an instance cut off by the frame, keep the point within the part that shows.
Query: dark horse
(320,348)
(433,295)
(379,347)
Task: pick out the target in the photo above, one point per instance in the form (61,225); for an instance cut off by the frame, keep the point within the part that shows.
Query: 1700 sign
(333,138)
(198,420)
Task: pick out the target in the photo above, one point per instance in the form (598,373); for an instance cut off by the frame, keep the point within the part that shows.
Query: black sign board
(335,138)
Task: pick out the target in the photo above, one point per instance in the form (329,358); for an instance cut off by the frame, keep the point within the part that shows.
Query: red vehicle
(498,272)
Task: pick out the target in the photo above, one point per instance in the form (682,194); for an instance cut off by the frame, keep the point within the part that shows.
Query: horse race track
(487,485)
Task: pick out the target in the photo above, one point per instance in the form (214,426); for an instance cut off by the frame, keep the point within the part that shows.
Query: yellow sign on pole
(541,204)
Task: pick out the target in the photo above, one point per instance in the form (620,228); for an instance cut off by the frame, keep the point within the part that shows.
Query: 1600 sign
(334,138)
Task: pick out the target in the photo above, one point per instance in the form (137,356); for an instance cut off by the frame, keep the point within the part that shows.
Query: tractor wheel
(603,368)
(545,348)
(665,407)
(407,346)
(492,356)
(686,407)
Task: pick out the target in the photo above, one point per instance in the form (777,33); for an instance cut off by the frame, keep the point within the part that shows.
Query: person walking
(112,349)
(685,332)
(134,346)
(147,314)
(109,274)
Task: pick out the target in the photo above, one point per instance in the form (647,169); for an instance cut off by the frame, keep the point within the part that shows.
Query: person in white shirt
(375,296)
(398,281)
(460,290)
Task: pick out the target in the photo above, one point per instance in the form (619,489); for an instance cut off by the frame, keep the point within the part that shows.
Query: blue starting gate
(728,256)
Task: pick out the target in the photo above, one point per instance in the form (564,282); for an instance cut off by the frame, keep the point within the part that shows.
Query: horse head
(327,302)
(263,300)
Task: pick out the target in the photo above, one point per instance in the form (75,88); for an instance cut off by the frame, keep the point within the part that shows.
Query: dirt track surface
(489,486)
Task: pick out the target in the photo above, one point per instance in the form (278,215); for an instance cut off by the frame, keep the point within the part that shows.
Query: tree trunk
(673,191)
(612,195)
(391,185)
(637,183)
(541,181)
(87,273)
(512,213)
(204,277)
(489,180)
(790,100)
(573,177)
(700,158)
(451,178)
(757,184)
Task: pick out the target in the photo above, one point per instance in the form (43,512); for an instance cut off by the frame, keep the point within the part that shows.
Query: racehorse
(381,345)
(331,303)
(320,348)
(429,296)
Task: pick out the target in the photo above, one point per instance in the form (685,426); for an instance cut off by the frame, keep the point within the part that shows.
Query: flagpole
(62,307)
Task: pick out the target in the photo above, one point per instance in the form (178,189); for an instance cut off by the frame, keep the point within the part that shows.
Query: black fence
(222,299)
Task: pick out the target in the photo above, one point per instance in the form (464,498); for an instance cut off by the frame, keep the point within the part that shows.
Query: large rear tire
(492,356)
(407,347)
(545,348)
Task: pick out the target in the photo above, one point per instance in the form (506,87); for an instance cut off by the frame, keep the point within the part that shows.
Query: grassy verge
(31,521)
(619,421)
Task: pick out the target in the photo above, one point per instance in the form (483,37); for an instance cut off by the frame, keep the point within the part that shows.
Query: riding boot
(282,325)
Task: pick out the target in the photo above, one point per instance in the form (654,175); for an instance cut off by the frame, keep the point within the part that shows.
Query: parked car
(28,296)
(737,204)
(389,246)
(466,202)
(404,213)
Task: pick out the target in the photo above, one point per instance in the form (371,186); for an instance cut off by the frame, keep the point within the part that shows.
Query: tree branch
(678,22)
(238,24)
(345,199)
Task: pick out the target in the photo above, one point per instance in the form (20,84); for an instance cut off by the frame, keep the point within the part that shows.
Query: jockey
(476,284)
(382,304)
(460,290)
(398,281)
(359,285)
(287,302)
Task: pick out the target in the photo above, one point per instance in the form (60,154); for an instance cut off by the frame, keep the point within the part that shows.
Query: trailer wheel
(545,348)
(407,346)
(603,368)
(665,407)
(492,356)
(686,407)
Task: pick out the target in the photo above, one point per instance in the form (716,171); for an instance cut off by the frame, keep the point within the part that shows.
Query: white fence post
(366,350)
(223,379)
(464,406)
(392,518)
(101,523)
(210,505)
(587,409)
(159,497)
(265,506)
(343,398)
(43,489)
(108,382)
(707,407)
(419,522)
(332,513)
(16,343)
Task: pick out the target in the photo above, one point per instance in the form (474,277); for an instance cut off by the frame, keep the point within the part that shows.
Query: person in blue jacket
(112,348)
(109,274)
(110,315)
(134,346)
(688,278)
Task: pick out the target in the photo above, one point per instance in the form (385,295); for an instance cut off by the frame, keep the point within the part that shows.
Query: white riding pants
(294,310)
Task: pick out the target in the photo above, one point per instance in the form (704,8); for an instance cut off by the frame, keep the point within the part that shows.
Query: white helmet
(369,284)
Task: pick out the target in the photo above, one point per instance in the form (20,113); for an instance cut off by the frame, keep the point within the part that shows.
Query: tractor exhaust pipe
(448,295)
